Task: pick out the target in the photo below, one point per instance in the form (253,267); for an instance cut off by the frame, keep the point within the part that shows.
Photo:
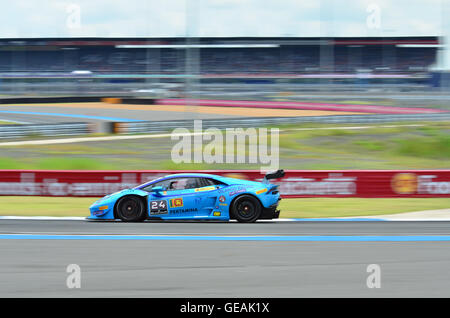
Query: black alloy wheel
(131,209)
(246,209)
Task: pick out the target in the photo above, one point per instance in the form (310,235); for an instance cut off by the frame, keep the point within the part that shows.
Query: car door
(158,205)
(185,197)
(208,194)
(179,200)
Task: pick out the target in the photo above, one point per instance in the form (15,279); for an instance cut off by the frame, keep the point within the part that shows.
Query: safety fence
(296,183)
(165,126)
(79,128)
(62,129)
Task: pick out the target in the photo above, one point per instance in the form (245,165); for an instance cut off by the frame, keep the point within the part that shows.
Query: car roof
(226,180)
(186,174)
(191,174)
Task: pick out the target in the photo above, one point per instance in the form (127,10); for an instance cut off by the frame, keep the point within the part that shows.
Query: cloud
(155,18)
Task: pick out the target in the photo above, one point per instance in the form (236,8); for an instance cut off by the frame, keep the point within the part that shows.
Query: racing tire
(246,209)
(130,209)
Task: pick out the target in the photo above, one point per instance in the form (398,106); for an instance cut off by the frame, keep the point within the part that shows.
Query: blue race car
(189,196)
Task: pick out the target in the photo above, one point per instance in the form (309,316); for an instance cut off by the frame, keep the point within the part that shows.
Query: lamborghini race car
(189,196)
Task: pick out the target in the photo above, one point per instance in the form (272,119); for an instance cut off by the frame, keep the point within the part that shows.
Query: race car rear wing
(274,175)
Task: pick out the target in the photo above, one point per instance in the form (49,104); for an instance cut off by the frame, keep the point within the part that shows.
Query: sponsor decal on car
(205,189)
(261,191)
(222,198)
(236,191)
(216,213)
(184,210)
(176,203)
(158,207)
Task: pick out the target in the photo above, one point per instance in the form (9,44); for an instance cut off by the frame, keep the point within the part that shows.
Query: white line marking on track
(87,139)
(80,218)
(352,219)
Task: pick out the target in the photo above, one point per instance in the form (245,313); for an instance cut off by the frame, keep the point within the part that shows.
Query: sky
(221,18)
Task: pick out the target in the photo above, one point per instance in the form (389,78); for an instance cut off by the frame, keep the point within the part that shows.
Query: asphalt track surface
(101,112)
(46,114)
(205,259)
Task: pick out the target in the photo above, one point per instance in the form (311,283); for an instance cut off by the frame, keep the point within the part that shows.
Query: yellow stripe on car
(205,189)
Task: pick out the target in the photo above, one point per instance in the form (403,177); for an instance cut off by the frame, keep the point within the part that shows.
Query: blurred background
(350,84)
(360,93)
(128,67)
(269,50)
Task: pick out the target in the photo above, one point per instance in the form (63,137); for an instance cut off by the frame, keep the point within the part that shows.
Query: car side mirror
(157,190)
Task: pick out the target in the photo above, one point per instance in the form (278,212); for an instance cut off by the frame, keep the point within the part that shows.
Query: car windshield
(148,183)
(172,184)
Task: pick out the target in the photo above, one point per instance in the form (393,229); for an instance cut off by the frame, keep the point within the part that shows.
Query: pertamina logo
(404,183)
(176,203)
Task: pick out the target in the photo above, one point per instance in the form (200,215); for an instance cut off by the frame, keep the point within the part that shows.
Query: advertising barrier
(296,183)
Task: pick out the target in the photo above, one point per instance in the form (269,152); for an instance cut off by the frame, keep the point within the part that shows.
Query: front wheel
(246,208)
(131,209)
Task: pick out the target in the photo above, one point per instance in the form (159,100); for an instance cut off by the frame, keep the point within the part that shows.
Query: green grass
(370,145)
(437,147)
(290,208)
(54,163)
(339,207)
(375,148)
(45,206)
(2,122)
(419,147)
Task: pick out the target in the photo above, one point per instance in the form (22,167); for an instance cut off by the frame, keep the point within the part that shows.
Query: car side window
(209,182)
(182,184)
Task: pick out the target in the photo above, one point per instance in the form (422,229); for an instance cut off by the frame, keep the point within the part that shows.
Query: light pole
(191,53)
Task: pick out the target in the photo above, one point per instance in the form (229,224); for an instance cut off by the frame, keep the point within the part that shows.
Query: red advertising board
(296,183)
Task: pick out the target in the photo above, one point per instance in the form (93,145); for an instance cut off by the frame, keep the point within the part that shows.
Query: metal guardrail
(67,129)
(164,126)
(62,129)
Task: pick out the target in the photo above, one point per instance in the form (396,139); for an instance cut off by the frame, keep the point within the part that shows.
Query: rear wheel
(130,209)
(246,208)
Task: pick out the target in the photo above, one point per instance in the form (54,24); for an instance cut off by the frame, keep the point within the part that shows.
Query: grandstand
(216,56)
